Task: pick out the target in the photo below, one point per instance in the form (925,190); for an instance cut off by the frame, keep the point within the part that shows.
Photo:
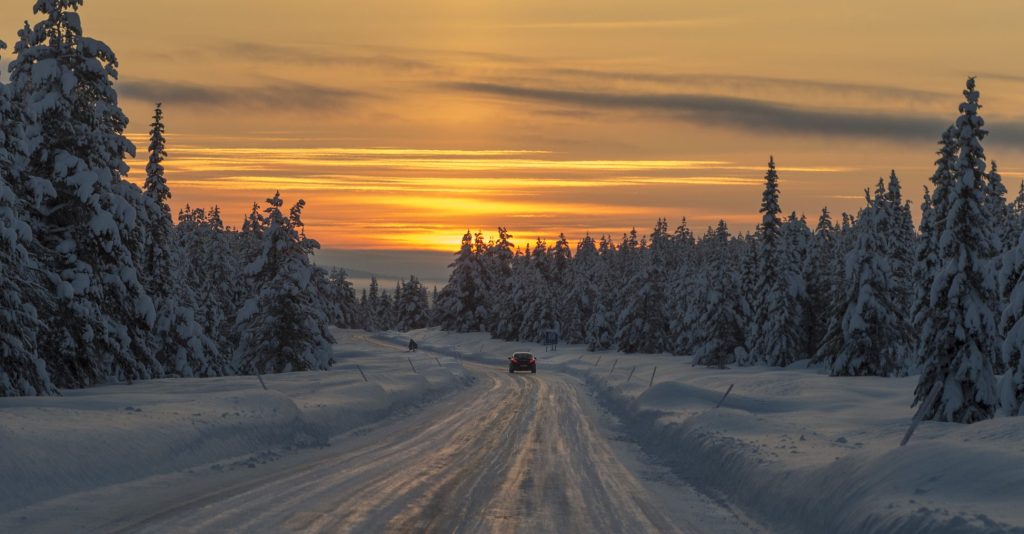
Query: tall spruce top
(770,210)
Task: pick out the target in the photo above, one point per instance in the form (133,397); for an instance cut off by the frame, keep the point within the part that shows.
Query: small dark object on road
(412,346)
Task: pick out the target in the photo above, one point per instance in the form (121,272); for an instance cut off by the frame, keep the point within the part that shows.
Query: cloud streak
(314,54)
(276,95)
(741,113)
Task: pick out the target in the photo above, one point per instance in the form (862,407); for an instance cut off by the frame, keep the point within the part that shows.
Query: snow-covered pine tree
(82,211)
(22,370)
(601,325)
(642,326)
(463,301)
(178,340)
(281,326)
(498,264)
(582,297)
(960,328)
(343,297)
(872,335)
(386,311)
(511,303)
(821,278)
(371,307)
(722,315)
(411,309)
(778,331)
(540,311)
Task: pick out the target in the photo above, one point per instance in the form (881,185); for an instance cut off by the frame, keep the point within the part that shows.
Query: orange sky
(402,123)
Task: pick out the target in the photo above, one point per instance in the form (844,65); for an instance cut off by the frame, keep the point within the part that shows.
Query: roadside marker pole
(598,360)
(630,377)
(724,396)
(438,362)
(616,362)
(580,358)
(411,365)
(261,380)
(652,376)
(362,373)
(920,412)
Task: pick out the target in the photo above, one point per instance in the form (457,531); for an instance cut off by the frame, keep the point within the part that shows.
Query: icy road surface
(513,453)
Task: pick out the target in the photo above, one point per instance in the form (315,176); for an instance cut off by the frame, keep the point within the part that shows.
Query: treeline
(96,282)
(865,295)
(406,308)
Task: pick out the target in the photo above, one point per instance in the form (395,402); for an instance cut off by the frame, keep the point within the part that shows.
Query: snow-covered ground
(796,449)
(52,446)
(461,444)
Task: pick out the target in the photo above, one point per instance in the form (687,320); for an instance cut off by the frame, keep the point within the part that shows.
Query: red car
(522,361)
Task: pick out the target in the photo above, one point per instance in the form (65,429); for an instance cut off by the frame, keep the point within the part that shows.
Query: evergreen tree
(777,333)
(412,309)
(463,301)
(179,342)
(960,328)
(871,335)
(281,326)
(642,326)
(722,314)
(22,370)
(82,212)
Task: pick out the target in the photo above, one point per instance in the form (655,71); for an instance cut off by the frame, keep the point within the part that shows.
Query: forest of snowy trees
(864,295)
(98,283)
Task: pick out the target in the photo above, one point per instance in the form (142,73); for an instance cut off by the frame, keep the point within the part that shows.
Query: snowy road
(513,453)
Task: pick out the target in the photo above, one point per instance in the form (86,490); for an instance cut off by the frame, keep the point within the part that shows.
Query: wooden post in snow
(411,365)
(616,362)
(652,376)
(598,360)
(932,395)
(724,396)
(362,373)
(438,360)
(631,371)
(261,380)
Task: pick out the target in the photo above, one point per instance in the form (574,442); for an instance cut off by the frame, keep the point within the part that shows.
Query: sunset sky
(403,123)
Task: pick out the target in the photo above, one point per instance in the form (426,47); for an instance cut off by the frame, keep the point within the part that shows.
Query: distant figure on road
(412,345)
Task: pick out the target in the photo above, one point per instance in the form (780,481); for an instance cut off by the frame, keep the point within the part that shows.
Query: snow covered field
(51,446)
(790,449)
(797,449)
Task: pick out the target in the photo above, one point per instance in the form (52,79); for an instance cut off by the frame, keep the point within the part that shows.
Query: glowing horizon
(402,127)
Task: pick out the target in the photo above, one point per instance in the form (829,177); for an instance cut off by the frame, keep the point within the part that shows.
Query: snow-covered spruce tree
(178,340)
(214,272)
(540,311)
(601,324)
(463,301)
(777,332)
(933,223)
(642,326)
(386,311)
(411,308)
(343,297)
(371,307)
(511,303)
(898,227)
(281,327)
(22,370)
(498,264)
(872,335)
(821,278)
(582,298)
(82,212)
(960,327)
(722,316)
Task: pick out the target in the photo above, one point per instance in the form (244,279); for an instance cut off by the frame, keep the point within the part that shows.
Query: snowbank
(51,446)
(796,449)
